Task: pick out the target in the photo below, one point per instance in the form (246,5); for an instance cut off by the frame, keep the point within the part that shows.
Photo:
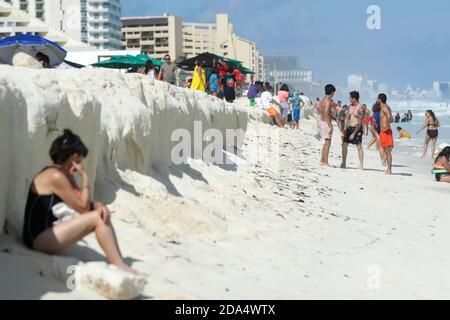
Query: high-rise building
(14,21)
(281,62)
(355,82)
(95,22)
(285,69)
(156,36)
(167,34)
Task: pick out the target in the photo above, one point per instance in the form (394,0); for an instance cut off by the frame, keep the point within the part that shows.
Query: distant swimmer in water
(443,162)
(432,124)
(403,134)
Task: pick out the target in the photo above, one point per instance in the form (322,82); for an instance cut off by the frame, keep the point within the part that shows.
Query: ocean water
(418,108)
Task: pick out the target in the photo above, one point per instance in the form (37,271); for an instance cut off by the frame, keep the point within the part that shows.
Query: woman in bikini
(443,162)
(432,125)
(55,185)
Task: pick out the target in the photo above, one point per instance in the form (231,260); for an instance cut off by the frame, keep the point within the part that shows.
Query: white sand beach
(204,231)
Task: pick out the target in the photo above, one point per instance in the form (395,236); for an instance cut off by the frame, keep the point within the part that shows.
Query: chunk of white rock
(109,281)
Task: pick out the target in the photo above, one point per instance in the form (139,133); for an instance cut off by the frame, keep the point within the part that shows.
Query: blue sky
(331,37)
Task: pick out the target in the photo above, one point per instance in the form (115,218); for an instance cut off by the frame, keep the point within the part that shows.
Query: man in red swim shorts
(386,135)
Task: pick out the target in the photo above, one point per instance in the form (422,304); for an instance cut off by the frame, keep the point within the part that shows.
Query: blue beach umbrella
(31,45)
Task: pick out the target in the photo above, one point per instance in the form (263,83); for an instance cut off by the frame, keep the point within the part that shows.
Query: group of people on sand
(168,72)
(351,120)
(352,127)
(284,107)
(223,80)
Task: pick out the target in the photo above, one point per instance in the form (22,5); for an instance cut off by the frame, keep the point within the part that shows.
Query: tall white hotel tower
(95,22)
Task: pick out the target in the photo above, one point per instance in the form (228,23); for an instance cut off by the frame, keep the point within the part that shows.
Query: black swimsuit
(38,214)
(433,134)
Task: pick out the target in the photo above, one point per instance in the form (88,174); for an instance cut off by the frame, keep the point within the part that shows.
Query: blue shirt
(213,83)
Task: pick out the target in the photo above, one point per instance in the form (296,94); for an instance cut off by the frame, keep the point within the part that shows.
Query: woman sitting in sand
(55,185)
(432,125)
(267,103)
(443,162)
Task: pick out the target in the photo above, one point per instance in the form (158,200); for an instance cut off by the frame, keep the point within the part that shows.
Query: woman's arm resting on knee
(63,189)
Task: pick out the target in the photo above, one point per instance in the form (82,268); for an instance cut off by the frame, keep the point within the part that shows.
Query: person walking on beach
(297,104)
(198,80)
(375,129)
(353,131)
(386,134)
(55,187)
(169,72)
(326,127)
(432,124)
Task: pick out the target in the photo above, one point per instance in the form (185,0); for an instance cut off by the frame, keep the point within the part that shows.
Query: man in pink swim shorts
(325,131)
(326,128)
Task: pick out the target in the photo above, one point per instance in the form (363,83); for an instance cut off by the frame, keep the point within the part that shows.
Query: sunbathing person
(55,186)
(443,163)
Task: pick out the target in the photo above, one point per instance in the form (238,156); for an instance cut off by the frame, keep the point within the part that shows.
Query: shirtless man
(326,128)
(352,130)
(386,135)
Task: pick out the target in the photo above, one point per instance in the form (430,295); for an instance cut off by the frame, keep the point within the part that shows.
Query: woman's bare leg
(445,179)
(63,236)
(433,147)
(425,147)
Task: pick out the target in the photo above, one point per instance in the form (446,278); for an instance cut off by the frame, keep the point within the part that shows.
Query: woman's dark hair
(284,87)
(199,62)
(376,107)
(433,116)
(444,153)
(67,145)
(149,66)
(44,58)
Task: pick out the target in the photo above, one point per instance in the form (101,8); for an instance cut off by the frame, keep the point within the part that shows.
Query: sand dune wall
(125,119)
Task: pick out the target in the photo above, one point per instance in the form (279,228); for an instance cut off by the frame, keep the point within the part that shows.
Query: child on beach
(296,103)
(214,83)
(403,134)
(443,162)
